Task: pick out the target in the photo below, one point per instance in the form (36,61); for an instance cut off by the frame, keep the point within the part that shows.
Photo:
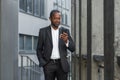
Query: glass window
(59,3)
(66,17)
(33,7)
(55,1)
(28,43)
(21,42)
(42,8)
(67,4)
(63,18)
(55,6)
(63,4)
(35,43)
(36,7)
(22,5)
(29,6)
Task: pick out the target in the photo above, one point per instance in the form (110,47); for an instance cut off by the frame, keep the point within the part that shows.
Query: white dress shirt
(55,38)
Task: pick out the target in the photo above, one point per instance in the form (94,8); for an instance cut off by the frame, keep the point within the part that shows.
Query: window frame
(24,42)
(64,11)
(40,8)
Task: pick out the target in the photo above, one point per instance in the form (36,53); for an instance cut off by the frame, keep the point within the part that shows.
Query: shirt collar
(58,27)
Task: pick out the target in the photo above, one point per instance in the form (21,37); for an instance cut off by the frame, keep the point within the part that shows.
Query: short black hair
(53,12)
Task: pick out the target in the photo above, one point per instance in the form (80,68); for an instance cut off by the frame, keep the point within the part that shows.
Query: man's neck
(55,27)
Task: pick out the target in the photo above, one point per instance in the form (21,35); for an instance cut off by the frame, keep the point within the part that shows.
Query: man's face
(55,19)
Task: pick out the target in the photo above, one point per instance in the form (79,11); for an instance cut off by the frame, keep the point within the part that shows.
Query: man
(53,43)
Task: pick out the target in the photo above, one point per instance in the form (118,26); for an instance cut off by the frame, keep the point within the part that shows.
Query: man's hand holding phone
(64,37)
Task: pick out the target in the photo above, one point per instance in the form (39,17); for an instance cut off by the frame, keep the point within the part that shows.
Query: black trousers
(53,70)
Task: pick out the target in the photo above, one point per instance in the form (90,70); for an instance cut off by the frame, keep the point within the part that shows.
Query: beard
(55,25)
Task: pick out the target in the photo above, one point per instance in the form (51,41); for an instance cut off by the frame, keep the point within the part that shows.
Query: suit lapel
(49,33)
(60,32)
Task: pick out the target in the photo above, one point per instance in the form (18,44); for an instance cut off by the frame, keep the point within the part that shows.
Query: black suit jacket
(44,47)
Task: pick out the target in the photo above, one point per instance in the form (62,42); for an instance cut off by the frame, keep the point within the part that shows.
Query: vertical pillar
(72,32)
(8,39)
(75,57)
(89,38)
(108,39)
(79,39)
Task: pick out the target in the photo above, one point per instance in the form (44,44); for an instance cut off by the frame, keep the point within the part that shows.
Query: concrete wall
(97,38)
(8,39)
(83,37)
(97,35)
(30,25)
(117,38)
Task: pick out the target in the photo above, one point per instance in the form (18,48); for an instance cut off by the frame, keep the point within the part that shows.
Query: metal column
(89,38)
(108,39)
(79,39)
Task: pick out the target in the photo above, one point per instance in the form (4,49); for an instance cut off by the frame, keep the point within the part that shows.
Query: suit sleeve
(71,44)
(40,47)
